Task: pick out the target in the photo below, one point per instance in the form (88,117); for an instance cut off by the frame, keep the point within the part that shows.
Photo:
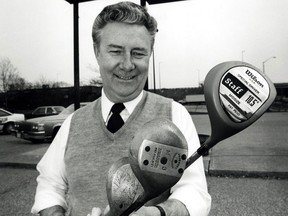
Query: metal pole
(243,55)
(76,56)
(154,79)
(146,87)
(159,76)
(143,3)
(263,63)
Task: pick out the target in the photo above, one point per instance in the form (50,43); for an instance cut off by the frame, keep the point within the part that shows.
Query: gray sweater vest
(92,149)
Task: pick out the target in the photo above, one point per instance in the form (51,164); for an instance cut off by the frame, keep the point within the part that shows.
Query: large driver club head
(157,159)
(236,95)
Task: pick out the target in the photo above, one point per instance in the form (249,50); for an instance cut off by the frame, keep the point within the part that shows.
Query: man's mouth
(125,77)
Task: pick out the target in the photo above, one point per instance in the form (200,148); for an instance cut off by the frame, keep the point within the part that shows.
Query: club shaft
(192,159)
(135,206)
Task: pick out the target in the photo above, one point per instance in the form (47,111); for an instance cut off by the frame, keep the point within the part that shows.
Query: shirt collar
(106,104)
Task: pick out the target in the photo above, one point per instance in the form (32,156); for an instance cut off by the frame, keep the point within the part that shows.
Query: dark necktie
(115,122)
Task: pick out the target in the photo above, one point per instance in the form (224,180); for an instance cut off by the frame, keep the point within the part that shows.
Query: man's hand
(53,211)
(171,207)
(146,211)
(95,212)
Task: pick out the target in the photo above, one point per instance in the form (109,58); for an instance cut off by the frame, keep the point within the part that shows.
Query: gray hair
(124,12)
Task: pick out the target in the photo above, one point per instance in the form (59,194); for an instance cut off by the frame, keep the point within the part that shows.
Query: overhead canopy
(77,1)
(149,1)
(161,1)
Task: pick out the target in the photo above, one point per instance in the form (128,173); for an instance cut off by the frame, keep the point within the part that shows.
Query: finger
(96,212)
(107,209)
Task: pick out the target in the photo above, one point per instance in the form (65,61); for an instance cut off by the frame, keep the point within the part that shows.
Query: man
(73,170)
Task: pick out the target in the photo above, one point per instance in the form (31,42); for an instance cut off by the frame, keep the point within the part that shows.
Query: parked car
(45,111)
(7,120)
(42,128)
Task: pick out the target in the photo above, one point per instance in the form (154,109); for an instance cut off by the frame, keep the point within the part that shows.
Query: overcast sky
(194,36)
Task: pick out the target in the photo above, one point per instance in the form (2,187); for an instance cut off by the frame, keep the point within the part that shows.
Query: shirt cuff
(47,199)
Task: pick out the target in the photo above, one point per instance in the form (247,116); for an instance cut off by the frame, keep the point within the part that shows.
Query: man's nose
(127,63)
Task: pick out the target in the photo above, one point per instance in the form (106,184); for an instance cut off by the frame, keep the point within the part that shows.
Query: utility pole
(243,55)
(76,50)
(263,63)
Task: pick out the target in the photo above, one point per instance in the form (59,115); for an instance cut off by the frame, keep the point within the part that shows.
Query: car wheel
(8,128)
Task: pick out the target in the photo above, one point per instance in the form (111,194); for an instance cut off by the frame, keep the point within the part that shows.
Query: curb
(17,165)
(247,174)
(240,173)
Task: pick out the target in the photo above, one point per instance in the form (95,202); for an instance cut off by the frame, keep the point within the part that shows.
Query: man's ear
(96,50)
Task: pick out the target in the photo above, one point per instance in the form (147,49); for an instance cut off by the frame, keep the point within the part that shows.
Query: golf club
(236,95)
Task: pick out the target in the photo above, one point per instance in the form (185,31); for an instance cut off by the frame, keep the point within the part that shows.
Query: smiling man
(73,171)
(123,57)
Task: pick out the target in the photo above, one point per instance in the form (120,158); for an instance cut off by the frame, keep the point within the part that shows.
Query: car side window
(49,110)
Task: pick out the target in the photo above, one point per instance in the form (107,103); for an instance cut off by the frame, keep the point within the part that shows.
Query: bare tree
(60,84)
(9,78)
(8,74)
(97,81)
(43,82)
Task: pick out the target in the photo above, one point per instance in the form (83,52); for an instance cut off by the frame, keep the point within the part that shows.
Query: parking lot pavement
(258,151)
(16,152)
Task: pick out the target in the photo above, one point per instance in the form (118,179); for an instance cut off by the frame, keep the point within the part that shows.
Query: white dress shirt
(191,190)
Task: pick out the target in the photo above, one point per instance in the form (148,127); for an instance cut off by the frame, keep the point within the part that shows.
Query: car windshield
(4,112)
(59,109)
(68,110)
(40,110)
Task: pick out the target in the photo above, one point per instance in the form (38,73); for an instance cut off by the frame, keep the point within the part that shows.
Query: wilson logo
(254,78)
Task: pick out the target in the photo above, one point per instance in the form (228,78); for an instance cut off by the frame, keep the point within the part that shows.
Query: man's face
(123,57)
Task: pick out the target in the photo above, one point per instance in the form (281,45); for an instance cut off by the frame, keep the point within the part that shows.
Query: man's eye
(115,52)
(138,54)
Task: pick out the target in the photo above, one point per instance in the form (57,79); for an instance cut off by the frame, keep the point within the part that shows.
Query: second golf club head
(158,156)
